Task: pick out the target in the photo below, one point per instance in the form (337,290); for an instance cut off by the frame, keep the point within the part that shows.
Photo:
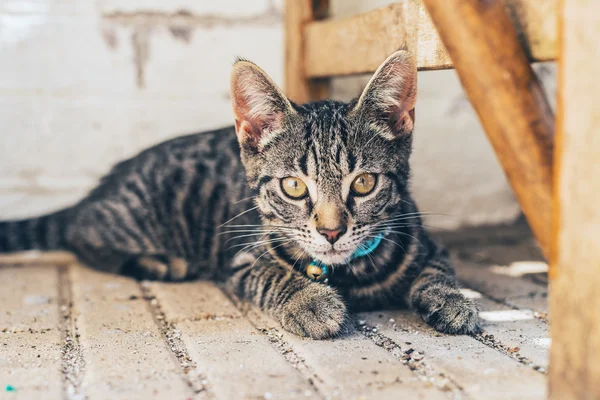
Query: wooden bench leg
(297,87)
(508,98)
(575,269)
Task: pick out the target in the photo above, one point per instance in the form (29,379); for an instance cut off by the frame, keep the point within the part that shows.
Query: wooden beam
(575,295)
(298,86)
(507,97)
(360,43)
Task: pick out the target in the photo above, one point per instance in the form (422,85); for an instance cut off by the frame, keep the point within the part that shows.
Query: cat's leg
(105,242)
(158,267)
(434,295)
(302,307)
(140,266)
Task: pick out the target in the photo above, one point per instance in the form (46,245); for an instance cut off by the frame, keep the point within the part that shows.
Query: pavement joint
(197,381)
(414,359)
(72,362)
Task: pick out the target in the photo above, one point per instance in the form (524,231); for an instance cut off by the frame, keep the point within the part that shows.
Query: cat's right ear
(259,106)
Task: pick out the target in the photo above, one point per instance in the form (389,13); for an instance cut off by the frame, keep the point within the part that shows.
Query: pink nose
(332,235)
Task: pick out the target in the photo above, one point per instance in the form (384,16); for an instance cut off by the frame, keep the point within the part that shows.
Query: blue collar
(323,270)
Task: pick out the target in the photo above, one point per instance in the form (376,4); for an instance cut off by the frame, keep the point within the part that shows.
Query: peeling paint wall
(85,83)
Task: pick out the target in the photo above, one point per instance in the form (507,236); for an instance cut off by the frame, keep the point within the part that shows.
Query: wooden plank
(352,367)
(507,97)
(30,338)
(298,86)
(360,43)
(125,354)
(481,371)
(575,298)
(226,347)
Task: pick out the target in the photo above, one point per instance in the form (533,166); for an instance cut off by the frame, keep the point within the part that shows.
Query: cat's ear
(390,96)
(259,106)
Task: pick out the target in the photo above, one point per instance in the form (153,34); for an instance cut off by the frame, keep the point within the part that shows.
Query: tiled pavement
(67,331)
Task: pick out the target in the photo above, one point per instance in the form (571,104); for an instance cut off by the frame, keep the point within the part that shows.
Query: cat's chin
(331,257)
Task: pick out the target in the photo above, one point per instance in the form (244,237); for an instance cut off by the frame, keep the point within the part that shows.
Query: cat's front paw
(316,311)
(448,311)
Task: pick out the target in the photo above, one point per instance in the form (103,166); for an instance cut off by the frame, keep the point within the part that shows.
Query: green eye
(294,188)
(363,184)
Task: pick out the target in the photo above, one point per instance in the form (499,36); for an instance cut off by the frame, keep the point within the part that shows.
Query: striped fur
(211,205)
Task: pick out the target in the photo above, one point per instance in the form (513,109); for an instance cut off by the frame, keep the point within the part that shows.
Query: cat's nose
(332,235)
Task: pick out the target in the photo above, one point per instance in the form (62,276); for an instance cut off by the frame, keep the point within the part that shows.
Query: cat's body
(198,206)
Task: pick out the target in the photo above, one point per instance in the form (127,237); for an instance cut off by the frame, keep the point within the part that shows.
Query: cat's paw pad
(316,311)
(448,311)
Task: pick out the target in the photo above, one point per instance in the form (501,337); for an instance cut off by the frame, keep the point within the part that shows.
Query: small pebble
(10,388)
(268,395)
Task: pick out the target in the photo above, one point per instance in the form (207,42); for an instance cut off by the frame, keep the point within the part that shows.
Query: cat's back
(212,155)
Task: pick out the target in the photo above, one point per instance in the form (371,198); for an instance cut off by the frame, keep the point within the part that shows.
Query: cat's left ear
(389,98)
(259,106)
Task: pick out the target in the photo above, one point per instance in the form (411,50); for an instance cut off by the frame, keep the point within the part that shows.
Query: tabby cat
(304,210)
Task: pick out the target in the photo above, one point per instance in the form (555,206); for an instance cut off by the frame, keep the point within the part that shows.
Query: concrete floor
(70,332)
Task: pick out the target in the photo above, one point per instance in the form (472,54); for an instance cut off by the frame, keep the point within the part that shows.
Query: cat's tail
(47,232)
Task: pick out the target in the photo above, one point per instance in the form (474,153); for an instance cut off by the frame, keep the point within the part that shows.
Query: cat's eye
(363,184)
(294,187)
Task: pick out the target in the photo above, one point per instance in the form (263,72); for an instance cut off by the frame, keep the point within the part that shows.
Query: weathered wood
(298,86)
(575,299)
(507,97)
(360,43)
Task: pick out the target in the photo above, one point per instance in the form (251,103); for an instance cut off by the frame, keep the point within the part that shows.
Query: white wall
(86,83)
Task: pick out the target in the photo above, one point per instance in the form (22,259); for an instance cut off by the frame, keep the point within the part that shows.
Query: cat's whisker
(266,251)
(414,215)
(254,231)
(369,256)
(404,234)
(260,226)
(239,215)
(252,246)
(299,257)
(255,243)
(244,199)
(257,229)
(349,264)
(247,235)
(391,241)
(399,225)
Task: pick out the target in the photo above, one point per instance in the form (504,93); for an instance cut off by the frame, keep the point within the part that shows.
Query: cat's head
(328,174)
